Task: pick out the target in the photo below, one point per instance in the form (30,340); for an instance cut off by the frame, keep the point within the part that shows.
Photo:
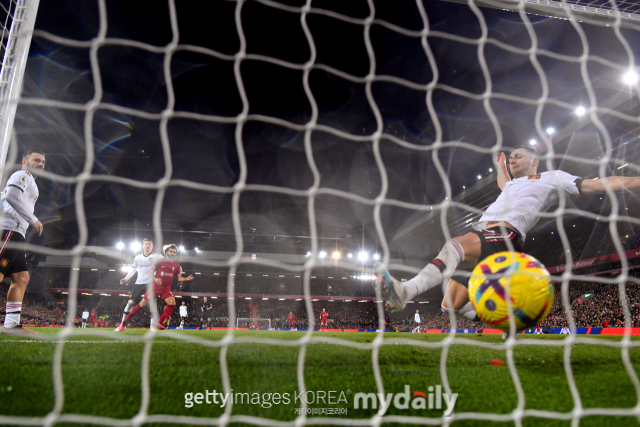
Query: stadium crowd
(593,304)
(586,246)
(59,278)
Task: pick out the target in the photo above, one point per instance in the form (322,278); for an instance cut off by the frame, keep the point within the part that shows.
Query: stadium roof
(204,139)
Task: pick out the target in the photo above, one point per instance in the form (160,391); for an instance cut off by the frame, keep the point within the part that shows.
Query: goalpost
(10,83)
(253,322)
(17,32)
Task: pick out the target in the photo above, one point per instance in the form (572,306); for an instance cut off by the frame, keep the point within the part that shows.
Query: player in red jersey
(291,320)
(323,318)
(93,318)
(163,273)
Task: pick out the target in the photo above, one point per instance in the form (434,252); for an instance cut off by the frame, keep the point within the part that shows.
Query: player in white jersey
(142,263)
(18,202)
(416,320)
(512,215)
(85,318)
(183,315)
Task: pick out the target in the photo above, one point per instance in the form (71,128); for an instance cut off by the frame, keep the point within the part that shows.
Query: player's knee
(21,280)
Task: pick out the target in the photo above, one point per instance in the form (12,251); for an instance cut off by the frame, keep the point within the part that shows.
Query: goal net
(288,145)
(253,323)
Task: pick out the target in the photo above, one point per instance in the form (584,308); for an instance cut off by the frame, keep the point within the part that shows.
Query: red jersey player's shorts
(161,291)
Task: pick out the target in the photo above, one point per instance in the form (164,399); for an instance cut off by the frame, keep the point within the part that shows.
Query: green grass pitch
(102,376)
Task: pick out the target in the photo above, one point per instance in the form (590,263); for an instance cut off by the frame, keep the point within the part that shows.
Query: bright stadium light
(336,255)
(135,246)
(376,257)
(126,268)
(581,111)
(197,250)
(120,246)
(308,254)
(479,177)
(350,255)
(490,169)
(533,142)
(181,248)
(630,77)
(551,130)
(322,254)
(362,256)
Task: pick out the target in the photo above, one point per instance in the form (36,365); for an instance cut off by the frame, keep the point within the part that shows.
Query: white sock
(451,255)
(12,317)
(468,311)
(127,309)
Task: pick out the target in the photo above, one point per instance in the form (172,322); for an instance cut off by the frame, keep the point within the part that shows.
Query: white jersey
(85,315)
(183,311)
(143,265)
(10,219)
(523,198)
(417,318)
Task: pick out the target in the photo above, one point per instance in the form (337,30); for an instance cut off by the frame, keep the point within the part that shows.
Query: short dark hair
(28,153)
(146,239)
(528,148)
(169,246)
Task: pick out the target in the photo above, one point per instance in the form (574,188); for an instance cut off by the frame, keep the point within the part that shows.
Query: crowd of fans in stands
(33,311)
(601,308)
(210,283)
(592,304)
(587,246)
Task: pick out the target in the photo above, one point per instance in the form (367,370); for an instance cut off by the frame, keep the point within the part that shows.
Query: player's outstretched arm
(500,161)
(131,272)
(615,183)
(185,279)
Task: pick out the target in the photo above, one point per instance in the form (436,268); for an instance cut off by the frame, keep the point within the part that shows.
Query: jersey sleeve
(14,195)
(570,183)
(133,270)
(19,180)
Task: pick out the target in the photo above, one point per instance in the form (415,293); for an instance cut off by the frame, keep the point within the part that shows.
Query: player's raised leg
(464,250)
(126,310)
(166,313)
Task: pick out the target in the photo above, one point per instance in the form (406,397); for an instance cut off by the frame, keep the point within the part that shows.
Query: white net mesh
(488,95)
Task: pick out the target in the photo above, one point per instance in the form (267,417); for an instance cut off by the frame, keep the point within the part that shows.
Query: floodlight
(630,77)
